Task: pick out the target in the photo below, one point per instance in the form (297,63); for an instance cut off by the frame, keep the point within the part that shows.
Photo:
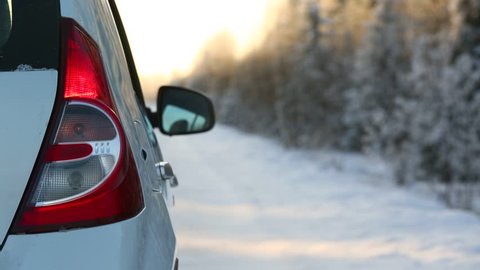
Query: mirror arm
(153,117)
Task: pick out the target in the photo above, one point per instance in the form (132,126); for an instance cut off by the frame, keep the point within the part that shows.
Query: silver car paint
(27,101)
(144,242)
(96,18)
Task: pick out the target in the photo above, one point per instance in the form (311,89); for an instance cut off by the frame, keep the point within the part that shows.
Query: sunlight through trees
(399,78)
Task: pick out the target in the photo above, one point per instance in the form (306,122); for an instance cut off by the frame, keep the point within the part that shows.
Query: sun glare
(166,35)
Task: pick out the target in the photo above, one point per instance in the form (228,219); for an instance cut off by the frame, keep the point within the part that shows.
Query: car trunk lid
(29,60)
(27,98)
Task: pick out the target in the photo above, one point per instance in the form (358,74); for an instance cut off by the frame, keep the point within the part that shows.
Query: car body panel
(103,247)
(27,102)
(119,246)
(144,242)
(97,19)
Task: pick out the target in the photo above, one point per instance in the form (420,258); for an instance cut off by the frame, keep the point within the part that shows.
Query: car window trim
(137,87)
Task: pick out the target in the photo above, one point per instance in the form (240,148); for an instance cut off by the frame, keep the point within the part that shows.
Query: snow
(244,202)
(25,67)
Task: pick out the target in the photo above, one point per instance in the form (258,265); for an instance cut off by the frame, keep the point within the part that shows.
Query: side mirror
(183,111)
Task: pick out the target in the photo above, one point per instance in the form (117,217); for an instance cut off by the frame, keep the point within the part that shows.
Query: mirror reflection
(177,120)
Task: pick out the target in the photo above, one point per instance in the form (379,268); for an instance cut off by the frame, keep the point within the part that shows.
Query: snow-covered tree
(440,115)
(378,79)
(397,77)
(215,65)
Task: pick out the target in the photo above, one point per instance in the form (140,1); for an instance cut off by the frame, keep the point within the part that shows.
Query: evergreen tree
(379,72)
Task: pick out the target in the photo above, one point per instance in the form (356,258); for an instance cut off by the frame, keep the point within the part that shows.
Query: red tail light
(86,176)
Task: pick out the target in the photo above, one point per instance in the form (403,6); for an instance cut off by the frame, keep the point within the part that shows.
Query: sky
(166,35)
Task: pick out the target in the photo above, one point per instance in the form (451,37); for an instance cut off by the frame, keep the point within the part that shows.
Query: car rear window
(29,34)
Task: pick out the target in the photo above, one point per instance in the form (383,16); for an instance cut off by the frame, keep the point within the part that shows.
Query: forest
(394,78)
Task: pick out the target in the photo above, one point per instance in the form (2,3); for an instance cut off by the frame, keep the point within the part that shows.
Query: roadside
(245,202)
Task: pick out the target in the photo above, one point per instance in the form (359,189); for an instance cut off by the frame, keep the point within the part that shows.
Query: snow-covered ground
(244,202)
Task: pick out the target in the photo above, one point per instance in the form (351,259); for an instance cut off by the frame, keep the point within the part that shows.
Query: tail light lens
(86,149)
(86,175)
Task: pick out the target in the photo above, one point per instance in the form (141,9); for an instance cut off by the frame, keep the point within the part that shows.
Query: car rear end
(75,161)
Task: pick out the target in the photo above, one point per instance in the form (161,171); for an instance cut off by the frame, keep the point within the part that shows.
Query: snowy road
(246,203)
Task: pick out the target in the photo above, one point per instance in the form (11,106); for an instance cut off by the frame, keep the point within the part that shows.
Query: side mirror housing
(182,111)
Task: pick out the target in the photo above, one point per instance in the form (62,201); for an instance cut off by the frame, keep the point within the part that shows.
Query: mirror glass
(184,111)
(178,120)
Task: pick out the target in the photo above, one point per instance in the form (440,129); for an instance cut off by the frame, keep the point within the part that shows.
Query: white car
(83,184)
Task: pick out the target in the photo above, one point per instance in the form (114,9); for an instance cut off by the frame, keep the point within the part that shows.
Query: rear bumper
(118,246)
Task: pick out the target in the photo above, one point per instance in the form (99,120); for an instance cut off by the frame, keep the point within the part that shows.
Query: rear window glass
(5,20)
(29,34)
